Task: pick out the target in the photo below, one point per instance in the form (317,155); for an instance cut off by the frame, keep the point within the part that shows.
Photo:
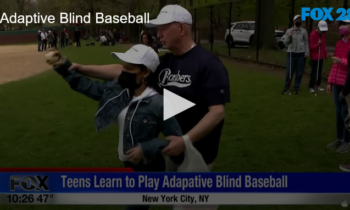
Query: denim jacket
(144,118)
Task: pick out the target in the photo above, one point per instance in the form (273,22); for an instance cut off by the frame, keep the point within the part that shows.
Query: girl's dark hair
(152,80)
(149,37)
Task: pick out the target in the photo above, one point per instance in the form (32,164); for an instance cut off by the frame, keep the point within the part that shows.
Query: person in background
(39,40)
(111,38)
(146,39)
(55,38)
(44,40)
(77,37)
(63,38)
(298,49)
(103,41)
(117,37)
(121,37)
(336,82)
(66,35)
(318,52)
(50,39)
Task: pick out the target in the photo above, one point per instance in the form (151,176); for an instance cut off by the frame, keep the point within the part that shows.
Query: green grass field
(45,124)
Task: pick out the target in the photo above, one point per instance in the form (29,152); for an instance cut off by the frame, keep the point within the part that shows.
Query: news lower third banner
(112,186)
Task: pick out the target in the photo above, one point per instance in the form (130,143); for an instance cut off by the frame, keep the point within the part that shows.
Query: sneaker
(344,148)
(296,92)
(285,92)
(335,144)
(311,90)
(345,167)
(320,89)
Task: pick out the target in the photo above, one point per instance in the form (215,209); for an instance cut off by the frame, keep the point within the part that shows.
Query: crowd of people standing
(302,45)
(51,39)
(110,37)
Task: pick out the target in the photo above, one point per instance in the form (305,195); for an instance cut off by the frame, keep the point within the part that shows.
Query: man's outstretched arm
(104,72)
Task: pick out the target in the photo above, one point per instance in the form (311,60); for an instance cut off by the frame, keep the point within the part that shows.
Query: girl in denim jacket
(134,102)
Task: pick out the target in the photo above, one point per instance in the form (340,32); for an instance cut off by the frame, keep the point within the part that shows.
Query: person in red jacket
(336,83)
(318,52)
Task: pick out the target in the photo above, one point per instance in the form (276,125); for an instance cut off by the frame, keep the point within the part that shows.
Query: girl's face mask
(344,30)
(128,80)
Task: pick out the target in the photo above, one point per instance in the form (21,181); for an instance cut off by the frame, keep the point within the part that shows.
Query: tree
(265,13)
(21,9)
(162,3)
(6,7)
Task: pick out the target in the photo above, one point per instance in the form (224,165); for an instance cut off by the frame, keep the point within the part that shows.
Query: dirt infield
(20,61)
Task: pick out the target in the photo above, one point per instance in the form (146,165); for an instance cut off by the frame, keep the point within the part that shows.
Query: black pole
(195,25)
(345,7)
(129,29)
(229,29)
(139,33)
(292,5)
(258,33)
(211,29)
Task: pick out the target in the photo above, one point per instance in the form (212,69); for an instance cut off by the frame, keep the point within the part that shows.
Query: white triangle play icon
(174,104)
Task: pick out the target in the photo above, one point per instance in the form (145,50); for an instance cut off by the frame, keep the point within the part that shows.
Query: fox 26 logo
(324,13)
(28,183)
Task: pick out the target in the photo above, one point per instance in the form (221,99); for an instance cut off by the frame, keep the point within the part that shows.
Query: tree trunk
(309,24)
(162,4)
(266,32)
(93,31)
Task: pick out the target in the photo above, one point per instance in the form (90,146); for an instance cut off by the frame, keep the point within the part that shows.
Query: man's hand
(175,147)
(135,155)
(290,33)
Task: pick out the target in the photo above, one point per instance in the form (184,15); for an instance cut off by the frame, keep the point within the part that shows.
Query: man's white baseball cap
(169,14)
(322,25)
(296,17)
(140,54)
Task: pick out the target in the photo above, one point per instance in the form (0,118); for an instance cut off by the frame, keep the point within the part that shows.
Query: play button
(174,104)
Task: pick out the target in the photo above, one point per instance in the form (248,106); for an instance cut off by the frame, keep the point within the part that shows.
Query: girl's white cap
(140,54)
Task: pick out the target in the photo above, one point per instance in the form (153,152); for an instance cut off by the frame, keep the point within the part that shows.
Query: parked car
(242,33)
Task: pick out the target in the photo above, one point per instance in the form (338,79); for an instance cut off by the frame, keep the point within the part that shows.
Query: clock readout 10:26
(29,198)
